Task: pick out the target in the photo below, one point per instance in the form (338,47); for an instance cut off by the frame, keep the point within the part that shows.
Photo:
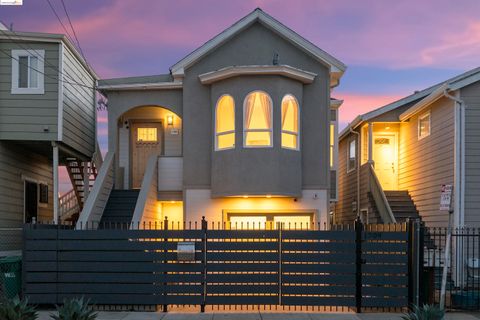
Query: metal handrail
(379,197)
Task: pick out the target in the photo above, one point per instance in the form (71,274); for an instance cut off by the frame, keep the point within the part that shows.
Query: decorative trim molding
(143,86)
(235,71)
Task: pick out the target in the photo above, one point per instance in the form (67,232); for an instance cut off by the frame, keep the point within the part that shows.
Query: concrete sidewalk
(45,315)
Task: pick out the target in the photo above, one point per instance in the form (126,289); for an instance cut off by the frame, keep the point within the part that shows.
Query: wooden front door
(146,140)
(31,201)
(385,157)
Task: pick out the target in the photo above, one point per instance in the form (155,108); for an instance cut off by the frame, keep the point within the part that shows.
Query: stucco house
(47,120)
(394,160)
(241,130)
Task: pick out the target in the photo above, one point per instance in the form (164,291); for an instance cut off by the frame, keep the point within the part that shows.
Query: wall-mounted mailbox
(186,251)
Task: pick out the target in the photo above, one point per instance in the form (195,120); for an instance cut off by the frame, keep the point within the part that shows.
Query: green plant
(75,309)
(427,312)
(16,309)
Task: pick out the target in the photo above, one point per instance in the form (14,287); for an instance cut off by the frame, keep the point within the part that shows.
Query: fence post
(204,251)
(165,227)
(358,264)
(415,264)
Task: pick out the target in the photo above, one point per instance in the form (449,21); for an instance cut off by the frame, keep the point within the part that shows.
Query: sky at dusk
(391,48)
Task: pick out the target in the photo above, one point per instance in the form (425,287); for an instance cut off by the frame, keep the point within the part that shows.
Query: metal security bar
(463,265)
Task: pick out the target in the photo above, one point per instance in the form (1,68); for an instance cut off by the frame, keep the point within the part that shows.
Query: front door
(146,140)
(385,158)
(31,201)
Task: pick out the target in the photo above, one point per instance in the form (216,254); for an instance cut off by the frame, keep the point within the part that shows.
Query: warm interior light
(170,120)
(245,197)
(387,128)
(269,196)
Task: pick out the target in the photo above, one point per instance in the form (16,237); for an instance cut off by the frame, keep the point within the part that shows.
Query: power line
(60,20)
(73,29)
(44,74)
(43,60)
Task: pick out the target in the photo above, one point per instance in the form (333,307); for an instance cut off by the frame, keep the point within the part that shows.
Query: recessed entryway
(385,156)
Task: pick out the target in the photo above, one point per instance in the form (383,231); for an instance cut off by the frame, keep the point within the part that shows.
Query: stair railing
(97,200)
(97,156)
(145,210)
(379,197)
(68,204)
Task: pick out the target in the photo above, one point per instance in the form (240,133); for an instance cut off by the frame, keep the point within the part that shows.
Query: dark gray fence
(345,267)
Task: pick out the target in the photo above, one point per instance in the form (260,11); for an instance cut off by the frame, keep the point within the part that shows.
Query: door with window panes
(146,140)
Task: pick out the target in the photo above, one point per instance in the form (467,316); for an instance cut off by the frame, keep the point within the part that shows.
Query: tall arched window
(290,122)
(257,120)
(225,123)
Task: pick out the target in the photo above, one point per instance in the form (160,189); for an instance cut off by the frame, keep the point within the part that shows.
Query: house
(241,131)
(47,120)
(394,160)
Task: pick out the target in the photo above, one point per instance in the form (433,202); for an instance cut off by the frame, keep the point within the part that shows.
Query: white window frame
(257,130)
(226,132)
(40,55)
(348,155)
(297,134)
(420,118)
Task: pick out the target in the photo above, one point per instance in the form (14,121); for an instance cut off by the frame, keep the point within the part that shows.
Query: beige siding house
(47,120)
(404,152)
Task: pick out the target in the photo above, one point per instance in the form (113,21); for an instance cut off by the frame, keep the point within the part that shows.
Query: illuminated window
(257,120)
(290,122)
(352,155)
(424,126)
(147,135)
(332,144)
(225,123)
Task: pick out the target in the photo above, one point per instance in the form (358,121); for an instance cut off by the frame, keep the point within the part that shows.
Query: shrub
(16,309)
(427,312)
(75,309)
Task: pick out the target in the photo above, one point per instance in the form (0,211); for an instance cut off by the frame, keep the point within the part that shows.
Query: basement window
(28,72)
(424,126)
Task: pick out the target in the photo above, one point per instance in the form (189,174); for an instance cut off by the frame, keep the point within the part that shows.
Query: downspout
(357,153)
(459,172)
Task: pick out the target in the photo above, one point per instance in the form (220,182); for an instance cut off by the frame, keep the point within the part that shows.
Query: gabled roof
(336,66)
(425,96)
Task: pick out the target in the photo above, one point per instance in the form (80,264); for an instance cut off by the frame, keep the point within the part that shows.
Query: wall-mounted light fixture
(170,120)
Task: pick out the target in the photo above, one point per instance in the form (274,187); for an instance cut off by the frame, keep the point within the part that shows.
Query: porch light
(245,197)
(170,120)
(268,196)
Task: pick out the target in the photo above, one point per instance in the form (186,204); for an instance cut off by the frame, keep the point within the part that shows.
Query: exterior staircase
(402,205)
(119,209)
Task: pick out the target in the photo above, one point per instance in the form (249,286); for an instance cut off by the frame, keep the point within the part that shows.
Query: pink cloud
(355,104)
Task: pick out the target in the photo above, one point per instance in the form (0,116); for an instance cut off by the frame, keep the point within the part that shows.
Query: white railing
(379,197)
(68,205)
(97,200)
(97,156)
(145,209)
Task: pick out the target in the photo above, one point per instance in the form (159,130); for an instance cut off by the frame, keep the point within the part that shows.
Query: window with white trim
(290,122)
(257,120)
(225,123)
(28,72)
(352,155)
(424,126)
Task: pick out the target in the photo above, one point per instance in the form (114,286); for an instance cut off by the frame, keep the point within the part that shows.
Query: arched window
(290,122)
(225,123)
(257,120)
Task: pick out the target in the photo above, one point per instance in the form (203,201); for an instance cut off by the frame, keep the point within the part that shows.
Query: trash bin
(10,276)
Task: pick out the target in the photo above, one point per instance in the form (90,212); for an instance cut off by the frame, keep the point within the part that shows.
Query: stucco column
(370,143)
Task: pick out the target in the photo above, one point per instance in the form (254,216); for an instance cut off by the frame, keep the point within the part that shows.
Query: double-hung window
(352,155)
(225,123)
(290,123)
(28,72)
(424,126)
(257,120)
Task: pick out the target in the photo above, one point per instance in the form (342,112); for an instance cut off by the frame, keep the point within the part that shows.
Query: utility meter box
(186,251)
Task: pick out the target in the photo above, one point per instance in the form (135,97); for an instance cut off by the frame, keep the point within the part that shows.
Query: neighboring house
(238,132)
(47,120)
(401,154)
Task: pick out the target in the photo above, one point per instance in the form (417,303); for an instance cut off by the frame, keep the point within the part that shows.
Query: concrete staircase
(119,209)
(402,205)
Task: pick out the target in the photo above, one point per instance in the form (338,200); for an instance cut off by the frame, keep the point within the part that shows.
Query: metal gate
(345,267)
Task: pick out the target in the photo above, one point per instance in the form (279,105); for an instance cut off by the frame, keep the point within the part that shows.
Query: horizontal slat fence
(352,268)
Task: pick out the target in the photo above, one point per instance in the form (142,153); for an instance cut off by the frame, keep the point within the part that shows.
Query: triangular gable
(336,67)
